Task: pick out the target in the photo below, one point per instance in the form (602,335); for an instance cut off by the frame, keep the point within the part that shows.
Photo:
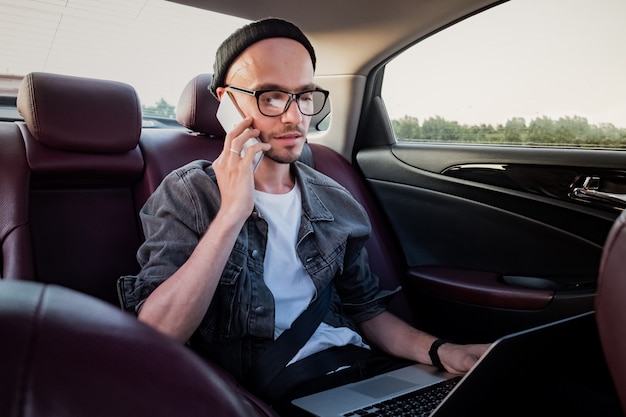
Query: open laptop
(492,375)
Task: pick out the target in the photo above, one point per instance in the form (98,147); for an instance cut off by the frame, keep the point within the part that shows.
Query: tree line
(160,109)
(566,131)
(542,131)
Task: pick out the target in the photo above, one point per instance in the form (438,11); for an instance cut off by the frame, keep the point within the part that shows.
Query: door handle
(590,191)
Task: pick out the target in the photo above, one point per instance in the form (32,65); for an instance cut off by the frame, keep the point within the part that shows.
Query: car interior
(484,240)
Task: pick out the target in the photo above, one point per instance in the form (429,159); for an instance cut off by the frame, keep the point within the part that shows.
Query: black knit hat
(254,32)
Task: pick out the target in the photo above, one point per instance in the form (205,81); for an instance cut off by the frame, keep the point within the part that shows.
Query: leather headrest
(80,114)
(197,107)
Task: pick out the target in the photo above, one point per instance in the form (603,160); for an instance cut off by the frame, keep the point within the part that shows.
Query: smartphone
(229,115)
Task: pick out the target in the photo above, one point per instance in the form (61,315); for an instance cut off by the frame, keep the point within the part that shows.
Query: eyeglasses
(273,103)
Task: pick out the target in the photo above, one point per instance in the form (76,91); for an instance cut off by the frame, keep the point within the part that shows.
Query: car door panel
(482,288)
(494,255)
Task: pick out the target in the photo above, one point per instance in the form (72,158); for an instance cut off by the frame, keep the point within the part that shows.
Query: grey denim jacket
(239,323)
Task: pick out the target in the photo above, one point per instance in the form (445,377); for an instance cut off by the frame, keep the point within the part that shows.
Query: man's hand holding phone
(234,173)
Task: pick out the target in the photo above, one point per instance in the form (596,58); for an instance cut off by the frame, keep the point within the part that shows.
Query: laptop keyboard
(419,403)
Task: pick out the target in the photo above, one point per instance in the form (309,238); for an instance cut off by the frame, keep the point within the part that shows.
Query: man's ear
(220,92)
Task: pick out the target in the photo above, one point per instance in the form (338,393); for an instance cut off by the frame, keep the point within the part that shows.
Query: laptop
(493,375)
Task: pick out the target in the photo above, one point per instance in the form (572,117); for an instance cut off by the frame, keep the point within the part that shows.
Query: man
(232,256)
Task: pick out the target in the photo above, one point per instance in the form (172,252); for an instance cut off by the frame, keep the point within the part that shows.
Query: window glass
(156,46)
(531,72)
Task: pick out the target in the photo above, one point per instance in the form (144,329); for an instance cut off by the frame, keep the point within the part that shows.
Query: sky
(463,73)
(536,66)
(162,45)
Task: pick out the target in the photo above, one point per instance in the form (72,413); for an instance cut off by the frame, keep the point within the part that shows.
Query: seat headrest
(197,107)
(80,114)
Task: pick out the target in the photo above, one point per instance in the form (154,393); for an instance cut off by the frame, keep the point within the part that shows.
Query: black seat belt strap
(276,357)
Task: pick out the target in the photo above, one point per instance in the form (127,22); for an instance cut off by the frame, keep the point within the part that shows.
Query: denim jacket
(239,323)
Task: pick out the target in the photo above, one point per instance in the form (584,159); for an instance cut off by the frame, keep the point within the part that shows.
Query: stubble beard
(286,155)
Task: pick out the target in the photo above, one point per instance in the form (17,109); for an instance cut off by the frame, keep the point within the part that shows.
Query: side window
(526,73)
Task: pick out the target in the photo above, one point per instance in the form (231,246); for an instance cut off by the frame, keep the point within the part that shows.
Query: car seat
(197,137)
(75,173)
(610,305)
(68,354)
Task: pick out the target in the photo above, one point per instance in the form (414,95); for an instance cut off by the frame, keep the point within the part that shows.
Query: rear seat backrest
(167,149)
(81,145)
(16,258)
(197,110)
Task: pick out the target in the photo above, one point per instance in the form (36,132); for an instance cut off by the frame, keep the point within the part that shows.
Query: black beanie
(254,32)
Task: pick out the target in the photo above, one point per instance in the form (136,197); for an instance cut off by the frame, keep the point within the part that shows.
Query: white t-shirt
(285,275)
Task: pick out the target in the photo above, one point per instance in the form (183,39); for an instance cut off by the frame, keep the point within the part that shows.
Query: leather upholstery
(62,111)
(610,304)
(167,149)
(16,256)
(80,129)
(81,162)
(73,355)
(197,107)
(164,150)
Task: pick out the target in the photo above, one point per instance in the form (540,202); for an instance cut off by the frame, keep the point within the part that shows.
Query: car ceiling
(333,26)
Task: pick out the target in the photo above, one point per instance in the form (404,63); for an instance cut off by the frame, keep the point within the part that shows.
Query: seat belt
(273,360)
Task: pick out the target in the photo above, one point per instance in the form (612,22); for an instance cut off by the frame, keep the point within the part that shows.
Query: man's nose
(292,114)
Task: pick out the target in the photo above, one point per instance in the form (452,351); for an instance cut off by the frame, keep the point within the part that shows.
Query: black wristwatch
(434,355)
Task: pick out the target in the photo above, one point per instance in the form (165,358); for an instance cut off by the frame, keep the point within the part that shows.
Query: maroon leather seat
(167,149)
(76,170)
(610,305)
(67,354)
(16,255)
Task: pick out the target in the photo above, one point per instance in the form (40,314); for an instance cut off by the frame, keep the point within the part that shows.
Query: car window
(532,73)
(155,46)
